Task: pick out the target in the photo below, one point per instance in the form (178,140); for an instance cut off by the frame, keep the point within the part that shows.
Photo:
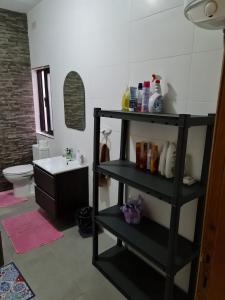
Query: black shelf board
(149,238)
(167,119)
(135,279)
(155,185)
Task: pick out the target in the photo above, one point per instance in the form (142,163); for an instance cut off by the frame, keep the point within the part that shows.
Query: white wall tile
(205,76)
(161,35)
(182,277)
(195,148)
(201,108)
(109,81)
(205,40)
(143,8)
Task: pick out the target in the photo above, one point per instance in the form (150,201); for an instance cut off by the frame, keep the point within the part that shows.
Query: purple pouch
(132,211)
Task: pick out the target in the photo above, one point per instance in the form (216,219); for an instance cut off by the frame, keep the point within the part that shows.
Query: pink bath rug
(30,230)
(7,198)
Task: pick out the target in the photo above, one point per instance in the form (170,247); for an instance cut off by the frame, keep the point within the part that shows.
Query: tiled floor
(61,270)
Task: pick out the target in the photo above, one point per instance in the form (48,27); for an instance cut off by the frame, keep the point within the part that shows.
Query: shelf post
(123,156)
(200,208)
(95,181)
(175,209)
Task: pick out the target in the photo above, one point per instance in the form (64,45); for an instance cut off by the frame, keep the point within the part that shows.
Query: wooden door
(211,275)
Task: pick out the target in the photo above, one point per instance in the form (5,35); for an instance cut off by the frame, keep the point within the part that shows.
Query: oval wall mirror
(74,101)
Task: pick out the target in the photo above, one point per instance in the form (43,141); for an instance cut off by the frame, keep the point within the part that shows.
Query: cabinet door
(72,190)
(46,202)
(45,181)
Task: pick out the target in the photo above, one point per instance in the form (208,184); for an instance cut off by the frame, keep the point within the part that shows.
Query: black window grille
(44,96)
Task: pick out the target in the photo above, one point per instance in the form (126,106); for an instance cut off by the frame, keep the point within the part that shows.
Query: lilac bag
(132,211)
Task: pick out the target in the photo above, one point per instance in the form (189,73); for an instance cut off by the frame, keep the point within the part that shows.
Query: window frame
(44,101)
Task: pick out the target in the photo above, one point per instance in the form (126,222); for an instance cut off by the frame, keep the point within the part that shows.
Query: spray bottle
(156,100)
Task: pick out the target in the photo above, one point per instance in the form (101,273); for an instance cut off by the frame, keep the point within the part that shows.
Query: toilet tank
(40,152)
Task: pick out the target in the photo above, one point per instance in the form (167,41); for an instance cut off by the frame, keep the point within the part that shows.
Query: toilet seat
(19,170)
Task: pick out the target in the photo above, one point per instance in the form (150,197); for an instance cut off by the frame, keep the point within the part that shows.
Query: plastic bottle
(145,96)
(158,99)
(133,98)
(149,150)
(138,155)
(154,159)
(68,153)
(158,87)
(154,78)
(125,100)
(139,97)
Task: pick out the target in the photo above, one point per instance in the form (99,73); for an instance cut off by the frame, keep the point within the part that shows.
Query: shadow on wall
(16,97)
(170,99)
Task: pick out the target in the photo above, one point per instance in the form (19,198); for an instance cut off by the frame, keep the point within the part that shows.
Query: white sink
(58,164)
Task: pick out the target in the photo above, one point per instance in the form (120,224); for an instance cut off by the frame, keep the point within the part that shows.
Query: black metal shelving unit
(163,247)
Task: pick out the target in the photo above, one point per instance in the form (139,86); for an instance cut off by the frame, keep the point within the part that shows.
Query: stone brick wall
(17,127)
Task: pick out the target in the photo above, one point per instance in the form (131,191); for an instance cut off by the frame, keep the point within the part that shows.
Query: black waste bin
(84,221)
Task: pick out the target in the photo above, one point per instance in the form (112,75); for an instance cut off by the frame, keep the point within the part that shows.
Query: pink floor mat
(7,199)
(30,230)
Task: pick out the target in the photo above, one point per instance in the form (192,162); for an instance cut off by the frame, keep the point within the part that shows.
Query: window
(44,97)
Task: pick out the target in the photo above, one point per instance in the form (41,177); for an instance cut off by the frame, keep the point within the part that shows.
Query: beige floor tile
(61,270)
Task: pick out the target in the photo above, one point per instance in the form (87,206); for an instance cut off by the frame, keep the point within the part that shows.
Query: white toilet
(22,176)
(22,179)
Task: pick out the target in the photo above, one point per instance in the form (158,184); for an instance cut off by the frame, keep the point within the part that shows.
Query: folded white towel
(162,159)
(170,161)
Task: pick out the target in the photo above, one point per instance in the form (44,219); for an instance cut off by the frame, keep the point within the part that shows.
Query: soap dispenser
(79,157)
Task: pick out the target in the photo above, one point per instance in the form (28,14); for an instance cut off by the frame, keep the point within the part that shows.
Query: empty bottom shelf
(132,276)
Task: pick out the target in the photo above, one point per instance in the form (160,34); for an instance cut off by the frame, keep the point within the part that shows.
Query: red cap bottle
(147,84)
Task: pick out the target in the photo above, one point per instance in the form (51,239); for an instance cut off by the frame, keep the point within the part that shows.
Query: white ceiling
(23,6)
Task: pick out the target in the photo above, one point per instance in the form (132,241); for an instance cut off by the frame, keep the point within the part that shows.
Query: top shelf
(166,119)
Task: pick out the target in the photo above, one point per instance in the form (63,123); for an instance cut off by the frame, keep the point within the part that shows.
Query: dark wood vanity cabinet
(60,195)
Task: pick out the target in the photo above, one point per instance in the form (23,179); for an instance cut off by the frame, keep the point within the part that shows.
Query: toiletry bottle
(158,87)
(133,98)
(149,150)
(154,78)
(139,97)
(145,155)
(145,96)
(138,155)
(154,159)
(158,99)
(143,160)
(69,153)
(141,165)
(125,100)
